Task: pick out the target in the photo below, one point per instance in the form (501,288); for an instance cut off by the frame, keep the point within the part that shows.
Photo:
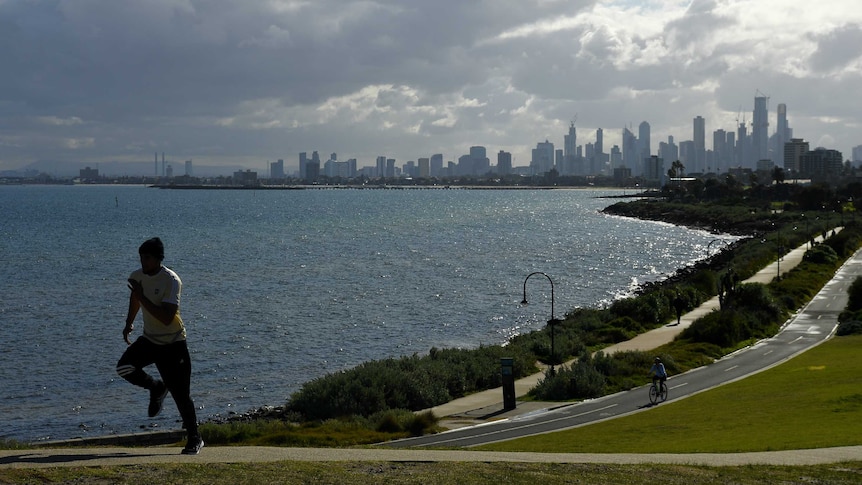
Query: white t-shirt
(162,287)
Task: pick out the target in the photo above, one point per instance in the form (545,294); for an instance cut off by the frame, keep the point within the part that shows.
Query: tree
(778,175)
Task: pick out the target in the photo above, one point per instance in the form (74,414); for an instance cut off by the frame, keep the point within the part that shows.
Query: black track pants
(175,367)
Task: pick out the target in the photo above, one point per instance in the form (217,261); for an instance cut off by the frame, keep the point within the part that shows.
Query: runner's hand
(126,331)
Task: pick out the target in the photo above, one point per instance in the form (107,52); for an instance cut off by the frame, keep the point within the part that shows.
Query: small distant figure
(155,289)
(658,371)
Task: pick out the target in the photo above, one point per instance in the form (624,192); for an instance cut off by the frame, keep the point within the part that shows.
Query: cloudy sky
(225,82)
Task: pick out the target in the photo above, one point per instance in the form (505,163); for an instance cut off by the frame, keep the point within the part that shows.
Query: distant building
(189,171)
(698,158)
(543,158)
(760,130)
(644,144)
(276,170)
(821,163)
(303,160)
(88,174)
(504,163)
(437,165)
(765,165)
(622,175)
(857,153)
(424,168)
(793,151)
(669,150)
(247,178)
(654,170)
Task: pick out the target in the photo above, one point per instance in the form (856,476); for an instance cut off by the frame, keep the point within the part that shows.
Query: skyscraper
(631,154)
(381,166)
(543,158)
(303,162)
(699,137)
(504,163)
(437,165)
(570,142)
(276,169)
(644,140)
(668,151)
(783,133)
(599,148)
(760,130)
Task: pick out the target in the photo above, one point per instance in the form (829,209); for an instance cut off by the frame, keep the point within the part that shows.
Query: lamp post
(553,321)
(708,246)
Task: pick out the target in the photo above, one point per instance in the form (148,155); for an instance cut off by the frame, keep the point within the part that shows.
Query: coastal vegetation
(773,219)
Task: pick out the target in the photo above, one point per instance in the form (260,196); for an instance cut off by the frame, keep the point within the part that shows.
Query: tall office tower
(303,162)
(742,150)
(189,168)
(687,156)
(381,166)
(760,130)
(481,163)
(390,167)
(782,133)
(668,151)
(599,147)
(793,151)
(631,154)
(698,164)
(644,140)
(570,142)
(731,148)
(616,156)
(857,153)
(315,162)
(504,163)
(437,165)
(424,168)
(276,170)
(720,150)
(543,158)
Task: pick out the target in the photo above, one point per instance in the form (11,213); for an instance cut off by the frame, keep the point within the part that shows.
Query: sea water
(284,286)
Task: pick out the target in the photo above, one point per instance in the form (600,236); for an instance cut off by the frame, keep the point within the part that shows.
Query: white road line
(730,368)
(437,443)
(681,385)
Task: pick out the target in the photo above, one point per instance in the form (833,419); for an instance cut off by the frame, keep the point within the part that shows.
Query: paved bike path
(90,457)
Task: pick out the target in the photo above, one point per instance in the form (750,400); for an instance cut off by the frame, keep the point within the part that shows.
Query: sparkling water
(283,286)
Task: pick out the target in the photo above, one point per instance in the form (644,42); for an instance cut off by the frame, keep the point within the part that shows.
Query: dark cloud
(240,82)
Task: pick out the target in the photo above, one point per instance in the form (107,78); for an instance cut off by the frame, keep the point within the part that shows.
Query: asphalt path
(815,323)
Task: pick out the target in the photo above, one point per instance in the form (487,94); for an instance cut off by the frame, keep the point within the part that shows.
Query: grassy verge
(438,474)
(811,401)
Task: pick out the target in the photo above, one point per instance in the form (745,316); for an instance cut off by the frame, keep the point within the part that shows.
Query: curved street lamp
(553,321)
(708,246)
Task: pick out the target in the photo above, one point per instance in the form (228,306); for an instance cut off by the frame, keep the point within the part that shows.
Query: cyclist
(658,371)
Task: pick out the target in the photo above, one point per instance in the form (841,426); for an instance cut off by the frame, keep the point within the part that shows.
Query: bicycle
(657,392)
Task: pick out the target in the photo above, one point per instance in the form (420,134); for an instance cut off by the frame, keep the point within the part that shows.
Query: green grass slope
(811,401)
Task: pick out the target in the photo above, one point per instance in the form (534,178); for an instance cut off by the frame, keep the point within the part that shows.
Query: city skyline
(245,84)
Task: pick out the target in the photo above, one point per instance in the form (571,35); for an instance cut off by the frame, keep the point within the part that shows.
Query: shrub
(854,293)
(821,254)
(851,327)
(581,380)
